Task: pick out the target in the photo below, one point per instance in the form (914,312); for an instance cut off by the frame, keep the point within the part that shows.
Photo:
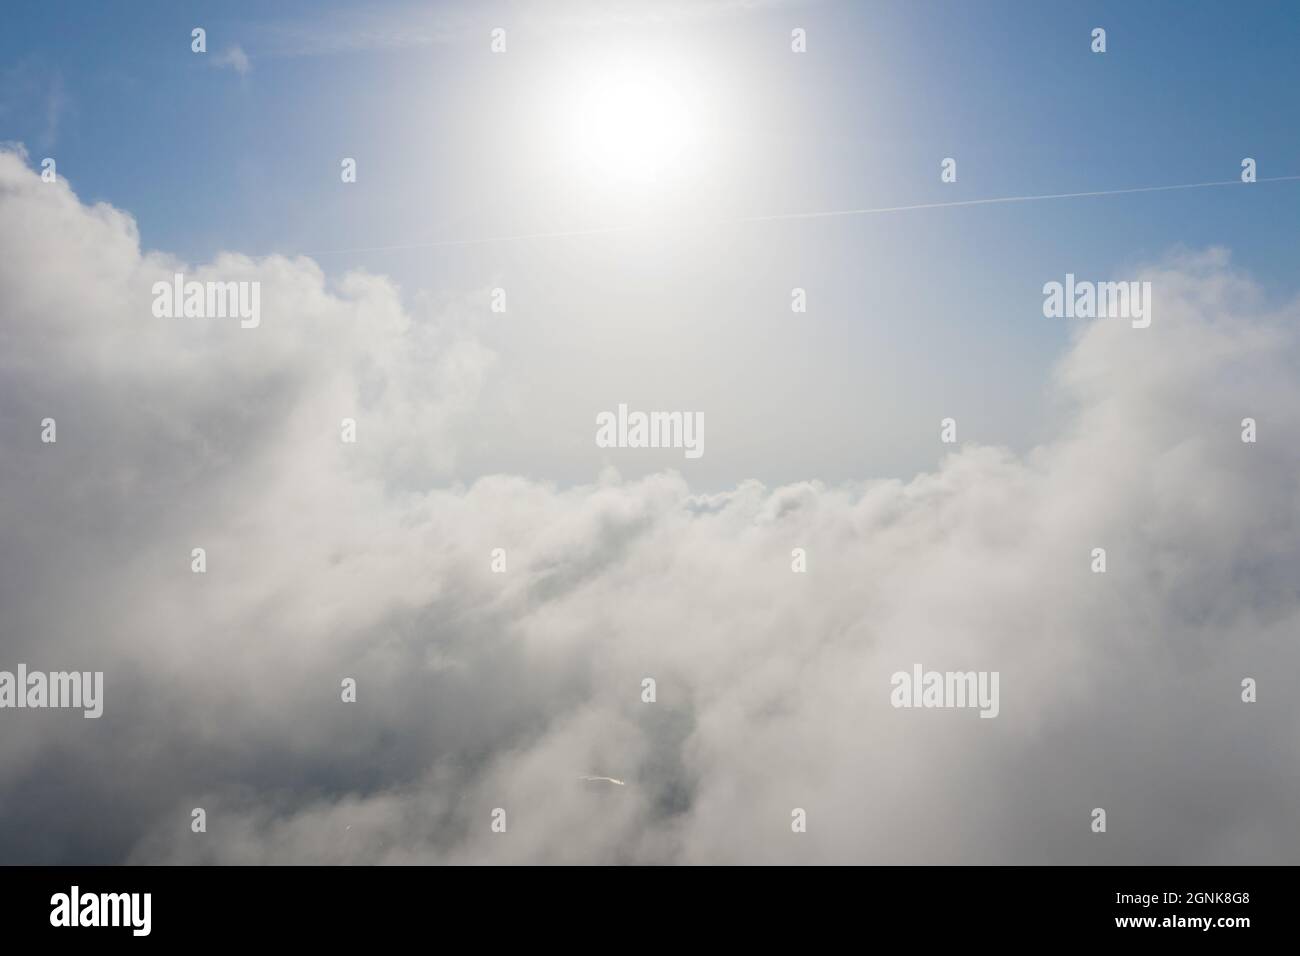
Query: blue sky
(918,314)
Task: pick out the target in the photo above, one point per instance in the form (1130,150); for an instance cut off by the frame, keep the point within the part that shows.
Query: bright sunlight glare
(632,125)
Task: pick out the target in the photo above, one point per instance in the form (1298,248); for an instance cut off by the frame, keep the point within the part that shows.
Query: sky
(647,183)
(912,315)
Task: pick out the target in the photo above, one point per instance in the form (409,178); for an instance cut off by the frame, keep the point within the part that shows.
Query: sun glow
(632,124)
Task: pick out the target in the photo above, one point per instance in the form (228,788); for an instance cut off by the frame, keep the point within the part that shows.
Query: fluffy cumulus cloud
(480,690)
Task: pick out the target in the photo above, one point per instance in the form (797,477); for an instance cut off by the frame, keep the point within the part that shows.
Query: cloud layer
(479,690)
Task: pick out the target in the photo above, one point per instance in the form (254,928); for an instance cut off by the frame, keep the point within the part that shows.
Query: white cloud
(235,58)
(481,690)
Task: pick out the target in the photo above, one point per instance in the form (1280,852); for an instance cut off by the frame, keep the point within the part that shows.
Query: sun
(632,124)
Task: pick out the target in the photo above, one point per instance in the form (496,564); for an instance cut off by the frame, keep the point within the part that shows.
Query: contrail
(778,217)
(1004,199)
